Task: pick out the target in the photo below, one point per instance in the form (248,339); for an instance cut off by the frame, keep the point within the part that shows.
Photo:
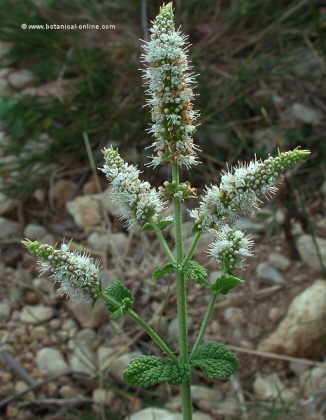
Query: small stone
(8,229)
(228,407)
(82,359)
(205,398)
(104,357)
(88,316)
(61,191)
(267,272)
(12,411)
(6,203)
(35,314)
(308,252)
(234,316)
(280,216)
(4,310)
(119,364)
(51,361)
(153,413)
(55,324)
(306,114)
(271,387)
(103,397)
(279,261)
(86,211)
(67,391)
(31,298)
(250,226)
(274,314)
(109,203)
(34,231)
(99,241)
(313,380)
(298,368)
(21,79)
(302,332)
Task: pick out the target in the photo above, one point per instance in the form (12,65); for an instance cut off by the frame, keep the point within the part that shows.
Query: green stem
(181,301)
(204,324)
(192,248)
(164,244)
(154,336)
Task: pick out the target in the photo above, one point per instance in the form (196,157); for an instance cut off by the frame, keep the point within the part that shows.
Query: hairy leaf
(225,283)
(122,297)
(161,225)
(215,360)
(150,370)
(164,269)
(196,272)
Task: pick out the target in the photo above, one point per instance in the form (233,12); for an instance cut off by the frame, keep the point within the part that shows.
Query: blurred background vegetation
(261,78)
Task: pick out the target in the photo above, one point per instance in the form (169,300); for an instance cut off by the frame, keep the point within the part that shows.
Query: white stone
(152,414)
(234,316)
(173,328)
(51,361)
(308,252)
(271,387)
(270,274)
(35,314)
(306,114)
(250,226)
(279,261)
(85,210)
(88,316)
(82,358)
(104,357)
(103,396)
(8,229)
(119,364)
(6,203)
(205,398)
(109,203)
(21,78)
(302,332)
(33,231)
(313,380)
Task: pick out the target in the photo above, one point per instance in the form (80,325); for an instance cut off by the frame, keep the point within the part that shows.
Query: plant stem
(154,336)
(204,323)
(181,301)
(164,244)
(192,249)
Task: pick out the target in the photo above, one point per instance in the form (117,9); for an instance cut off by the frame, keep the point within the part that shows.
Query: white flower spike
(170,82)
(240,189)
(77,274)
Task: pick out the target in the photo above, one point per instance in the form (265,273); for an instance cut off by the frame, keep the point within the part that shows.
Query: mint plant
(169,80)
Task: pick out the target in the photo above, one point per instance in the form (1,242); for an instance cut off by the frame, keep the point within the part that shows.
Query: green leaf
(164,269)
(196,272)
(215,360)
(148,227)
(150,370)
(121,296)
(225,283)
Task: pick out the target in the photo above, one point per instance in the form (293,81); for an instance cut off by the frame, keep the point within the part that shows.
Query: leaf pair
(212,358)
(118,299)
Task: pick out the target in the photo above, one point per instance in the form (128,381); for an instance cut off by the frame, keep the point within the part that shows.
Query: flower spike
(170,82)
(77,274)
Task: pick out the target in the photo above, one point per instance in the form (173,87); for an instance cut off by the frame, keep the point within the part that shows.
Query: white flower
(167,75)
(76,274)
(230,248)
(240,190)
(139,203)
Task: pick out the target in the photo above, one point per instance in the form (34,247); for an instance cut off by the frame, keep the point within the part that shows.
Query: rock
(82,358)
(109,203)
(279,261)
(21,78)
(86,335)
(103,397)
(6,203)
(205,398)
(61,191)
(33,231)
(173,329)
(228,407)
(51,361)
(35,314)
(313,380)
(234,316)
(104,357)
(280,216)
(270,274)
(305,62)
(86,315)
(85,210)
(271,387)
(308,252)
(103,241)
(249,226)
(119,364)
(302,331)
(152,414)
(4,88)
(305,114)
(67,391)
(8,229)
(5,48)
(266,139)
(298,368)
(4,311)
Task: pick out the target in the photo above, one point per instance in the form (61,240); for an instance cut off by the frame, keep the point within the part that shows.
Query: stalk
(164,244)
(181,301)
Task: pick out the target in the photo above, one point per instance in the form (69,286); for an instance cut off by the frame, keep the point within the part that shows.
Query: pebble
(8,229)
(271,387)
(104,357)
(103,397)
(173,329)
(249,225)
(85,210)
(51,361)
(119,364)
(4,311)
(67,391)
(88,316)
(82,359)
(6,203)
(308,252)
(34,231)
(35,314)
(234,316)
(270,274)
(21,78)
(279,261)
(306,114)
(206,399)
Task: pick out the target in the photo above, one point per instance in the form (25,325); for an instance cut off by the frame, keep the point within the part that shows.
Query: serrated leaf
(147,371)
(121,295)
(164,269)
(161,225)
(196,272)
(215,360)
(225,283)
